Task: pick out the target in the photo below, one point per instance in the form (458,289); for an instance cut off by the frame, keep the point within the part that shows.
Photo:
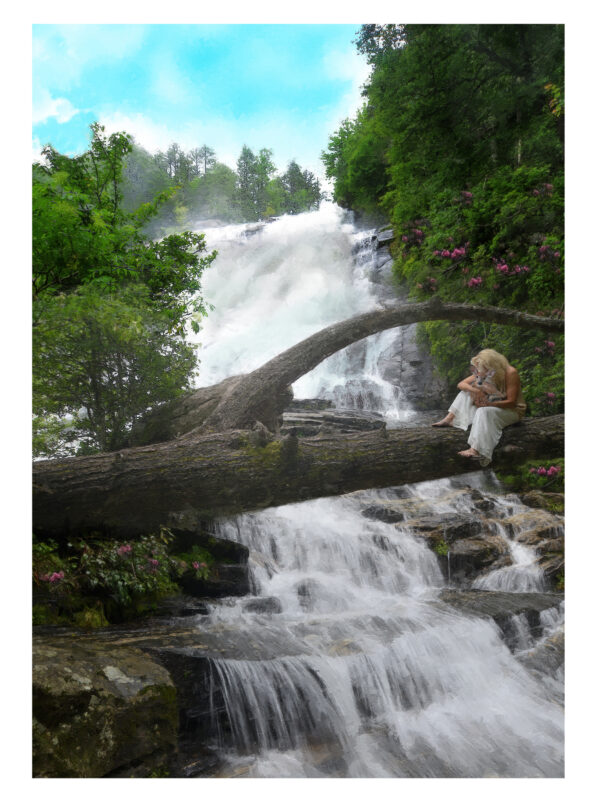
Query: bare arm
(468,385)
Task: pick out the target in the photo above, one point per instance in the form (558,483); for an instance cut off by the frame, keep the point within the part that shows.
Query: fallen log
(182,483)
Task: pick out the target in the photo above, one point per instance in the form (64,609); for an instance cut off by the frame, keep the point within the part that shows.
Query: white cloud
(36,151)
(349,66)
(46,106)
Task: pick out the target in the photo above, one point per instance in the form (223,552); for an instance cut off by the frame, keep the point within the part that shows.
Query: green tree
(104,360)
(202,159)
(245,194)
(110,305)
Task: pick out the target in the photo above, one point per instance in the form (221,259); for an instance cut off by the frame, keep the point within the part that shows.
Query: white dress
(487,423)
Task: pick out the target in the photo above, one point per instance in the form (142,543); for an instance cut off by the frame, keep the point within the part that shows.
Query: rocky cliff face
(405,363)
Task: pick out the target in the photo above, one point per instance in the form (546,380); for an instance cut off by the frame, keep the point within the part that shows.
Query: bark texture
(195,478)
(239,402)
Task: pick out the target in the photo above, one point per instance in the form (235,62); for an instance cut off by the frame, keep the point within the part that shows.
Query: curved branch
(253,397)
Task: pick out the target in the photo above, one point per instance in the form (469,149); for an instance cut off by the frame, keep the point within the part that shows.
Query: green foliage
(93,581)
(110,305)
(461,144)
(559,583)
(198,560)
(441,548)
(534,475)
(104,360)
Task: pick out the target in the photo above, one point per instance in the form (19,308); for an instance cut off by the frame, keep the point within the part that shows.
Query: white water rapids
(368,673)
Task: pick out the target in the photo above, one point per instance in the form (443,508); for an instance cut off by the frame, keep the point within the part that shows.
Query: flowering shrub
(505,248)
(548,475)
(116,579)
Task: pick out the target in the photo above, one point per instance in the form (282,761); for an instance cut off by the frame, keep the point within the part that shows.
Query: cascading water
(358,669)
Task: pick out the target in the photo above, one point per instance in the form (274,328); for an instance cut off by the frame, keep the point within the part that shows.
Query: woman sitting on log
(489,400)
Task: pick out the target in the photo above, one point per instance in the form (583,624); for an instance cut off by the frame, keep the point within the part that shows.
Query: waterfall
(359,669)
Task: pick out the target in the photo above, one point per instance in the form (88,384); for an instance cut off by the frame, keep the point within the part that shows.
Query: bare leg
(444,423)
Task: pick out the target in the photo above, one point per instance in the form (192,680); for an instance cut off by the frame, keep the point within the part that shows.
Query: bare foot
(470,453)
(444,423)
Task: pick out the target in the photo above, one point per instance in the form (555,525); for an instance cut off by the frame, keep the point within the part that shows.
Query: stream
(351,665)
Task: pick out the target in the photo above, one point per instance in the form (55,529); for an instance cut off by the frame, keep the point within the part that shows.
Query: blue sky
(285,87)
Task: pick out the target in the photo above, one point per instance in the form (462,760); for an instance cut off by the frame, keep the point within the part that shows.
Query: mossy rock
(100,710)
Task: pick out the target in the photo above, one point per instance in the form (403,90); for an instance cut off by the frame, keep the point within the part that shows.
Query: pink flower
(437,252)
(446,253)
(549,344)
(535,193)
(533,469)
(124,549)
(56,576)
(405,238)
(541,471)
(153,561)
(548,187)
(195,565)
(552,471)
(551,395)
(557,254)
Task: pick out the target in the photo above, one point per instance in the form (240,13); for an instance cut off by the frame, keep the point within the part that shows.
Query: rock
(550,501)
(468,558)
(385,237)
(309,404)
(553,565)
(181,606)
(547,657)
(451,527)
(385,511)
(407,364)
(263,605)
(503,606)
(98,710)
(532,526)
(225,580)
(312,423)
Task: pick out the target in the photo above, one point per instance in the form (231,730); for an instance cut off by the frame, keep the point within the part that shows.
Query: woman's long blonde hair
(490,359)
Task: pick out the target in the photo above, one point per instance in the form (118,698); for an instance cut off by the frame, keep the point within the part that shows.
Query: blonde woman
(476,404)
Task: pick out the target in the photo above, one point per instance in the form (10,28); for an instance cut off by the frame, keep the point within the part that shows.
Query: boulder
(550,501)
(263,605)
(99,710)
(502,607)
(547,657)
(468,558)
(225,580)
(451,527)
(315,422)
